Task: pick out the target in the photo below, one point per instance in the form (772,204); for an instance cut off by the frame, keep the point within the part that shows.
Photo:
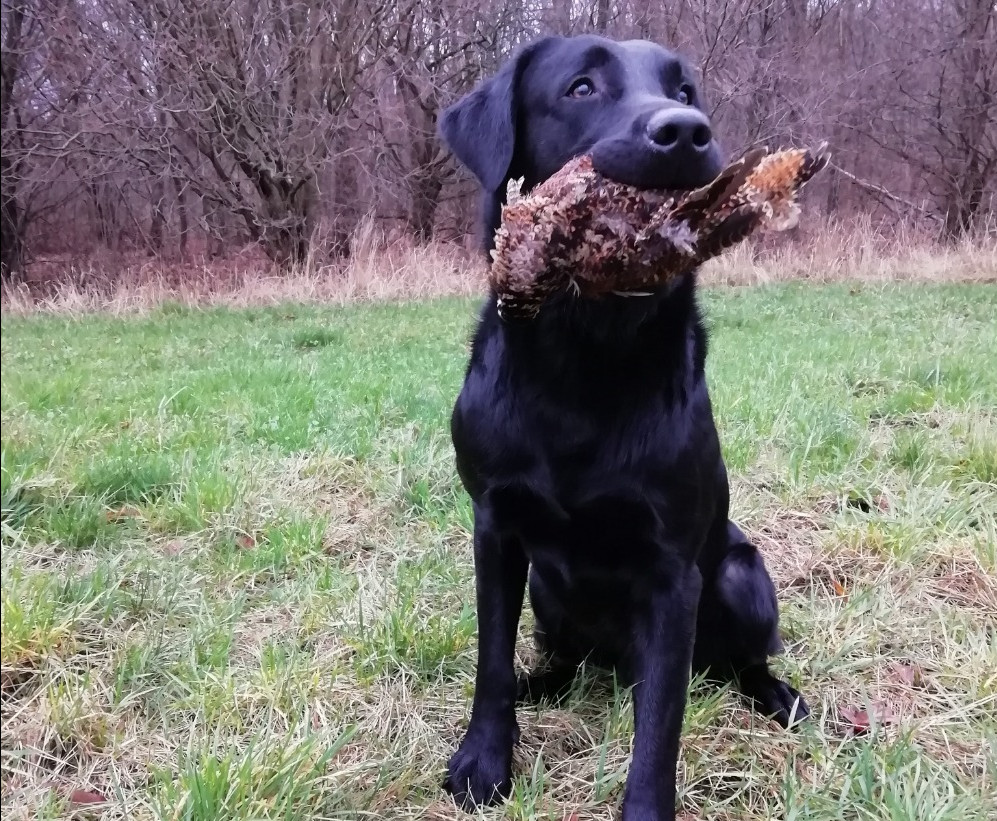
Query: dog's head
(634,105)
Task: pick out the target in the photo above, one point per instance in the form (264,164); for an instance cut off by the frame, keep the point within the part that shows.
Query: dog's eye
(685,95)
(581,88)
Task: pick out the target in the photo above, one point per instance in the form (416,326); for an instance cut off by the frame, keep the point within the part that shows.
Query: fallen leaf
(882,713)
(859,720)
(86,797)
(910,675)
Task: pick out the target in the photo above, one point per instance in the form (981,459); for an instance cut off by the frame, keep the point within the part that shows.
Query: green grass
(237,580)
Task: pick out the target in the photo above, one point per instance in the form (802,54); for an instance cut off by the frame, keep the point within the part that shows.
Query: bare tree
(11,236)
(149,125)
(431,51)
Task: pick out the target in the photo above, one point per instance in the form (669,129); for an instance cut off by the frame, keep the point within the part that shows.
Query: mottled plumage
(579,230)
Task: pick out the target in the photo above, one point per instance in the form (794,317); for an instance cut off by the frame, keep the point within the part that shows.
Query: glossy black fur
(586,440)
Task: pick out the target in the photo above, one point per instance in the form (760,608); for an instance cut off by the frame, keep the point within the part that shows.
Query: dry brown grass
(379,269)
(857,250)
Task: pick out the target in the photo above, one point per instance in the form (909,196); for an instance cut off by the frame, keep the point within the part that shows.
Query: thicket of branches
(177,127)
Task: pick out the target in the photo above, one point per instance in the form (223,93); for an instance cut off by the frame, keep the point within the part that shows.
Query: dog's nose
(676,128)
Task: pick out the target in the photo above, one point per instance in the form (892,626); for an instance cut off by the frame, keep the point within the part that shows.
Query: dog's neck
(656,342)
(659,338)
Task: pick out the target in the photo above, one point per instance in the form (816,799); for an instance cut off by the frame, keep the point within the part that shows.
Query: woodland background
(171,130)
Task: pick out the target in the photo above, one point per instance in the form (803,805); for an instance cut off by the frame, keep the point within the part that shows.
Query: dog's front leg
(480,772)
(662,655)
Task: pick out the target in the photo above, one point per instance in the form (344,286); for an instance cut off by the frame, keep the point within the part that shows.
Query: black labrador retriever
(586,441)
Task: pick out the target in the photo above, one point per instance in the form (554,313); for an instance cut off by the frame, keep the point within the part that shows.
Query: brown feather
(579,231)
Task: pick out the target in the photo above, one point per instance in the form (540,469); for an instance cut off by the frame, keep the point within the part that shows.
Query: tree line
(175,127)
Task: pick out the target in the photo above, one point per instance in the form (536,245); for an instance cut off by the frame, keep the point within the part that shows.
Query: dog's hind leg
(738,629)
(562,653)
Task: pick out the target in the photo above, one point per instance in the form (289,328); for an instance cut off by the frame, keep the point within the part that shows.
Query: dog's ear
(480,128)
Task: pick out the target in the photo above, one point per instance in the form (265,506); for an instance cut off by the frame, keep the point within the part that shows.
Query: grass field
(237,579)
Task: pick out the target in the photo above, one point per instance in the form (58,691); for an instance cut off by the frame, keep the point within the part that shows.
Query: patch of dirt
(964,583)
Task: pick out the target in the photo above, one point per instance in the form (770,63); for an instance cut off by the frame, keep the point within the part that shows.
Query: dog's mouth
(636,165)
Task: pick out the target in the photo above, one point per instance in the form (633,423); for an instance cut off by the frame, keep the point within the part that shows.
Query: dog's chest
(576,447)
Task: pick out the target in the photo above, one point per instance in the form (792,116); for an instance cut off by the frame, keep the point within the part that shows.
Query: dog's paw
(786,705)
(637,810)
(553,685)
(480,772)
(774,698)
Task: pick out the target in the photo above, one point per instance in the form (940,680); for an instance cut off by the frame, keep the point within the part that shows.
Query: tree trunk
(425,199)
(157,226)
(964,201)
(182,218)
(291,213)
(602,12)
(11,239)
(11,228)
(343,202)
(214,222)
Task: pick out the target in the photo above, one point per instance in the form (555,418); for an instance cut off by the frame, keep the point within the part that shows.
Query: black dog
(585,438)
